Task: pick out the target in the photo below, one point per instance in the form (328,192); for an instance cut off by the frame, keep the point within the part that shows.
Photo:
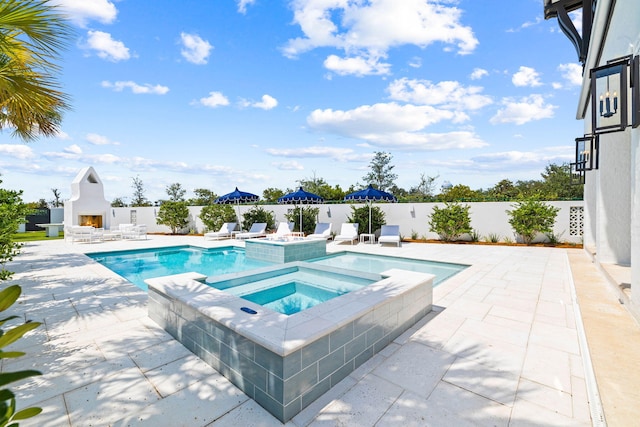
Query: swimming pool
(369,263)
(138,265)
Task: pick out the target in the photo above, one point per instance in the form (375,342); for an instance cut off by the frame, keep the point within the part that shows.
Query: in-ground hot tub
(285,362)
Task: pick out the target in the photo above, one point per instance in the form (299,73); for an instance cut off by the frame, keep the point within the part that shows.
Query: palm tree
(31,35)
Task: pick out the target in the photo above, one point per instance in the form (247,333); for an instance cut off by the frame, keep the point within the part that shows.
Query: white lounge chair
(284,229)
(223,233)
(348,231)
(322,231)
(258,229)
(132,231)
(389,234)
(84,233)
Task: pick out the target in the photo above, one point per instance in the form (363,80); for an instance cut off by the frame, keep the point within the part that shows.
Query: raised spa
(285,362)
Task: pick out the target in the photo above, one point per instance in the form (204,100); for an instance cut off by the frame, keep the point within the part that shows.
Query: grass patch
(31,236)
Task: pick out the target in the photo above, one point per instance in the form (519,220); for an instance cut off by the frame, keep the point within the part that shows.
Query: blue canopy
(237,196)
(370,194)
(299,197)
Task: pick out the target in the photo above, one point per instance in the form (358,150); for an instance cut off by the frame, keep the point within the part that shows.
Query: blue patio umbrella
(236,197)
(300,197)
(370,195)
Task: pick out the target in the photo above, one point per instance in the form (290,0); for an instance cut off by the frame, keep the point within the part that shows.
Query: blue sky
(257,94)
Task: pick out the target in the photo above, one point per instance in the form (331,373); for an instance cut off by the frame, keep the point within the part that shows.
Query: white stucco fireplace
(87,205)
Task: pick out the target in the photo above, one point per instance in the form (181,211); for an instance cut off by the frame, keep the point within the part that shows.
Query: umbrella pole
(369,217)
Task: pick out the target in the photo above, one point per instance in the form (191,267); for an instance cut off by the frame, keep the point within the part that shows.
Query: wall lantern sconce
(113,212)
(609,92)
(329,211)
(577,175)
(587,153)
(413,211)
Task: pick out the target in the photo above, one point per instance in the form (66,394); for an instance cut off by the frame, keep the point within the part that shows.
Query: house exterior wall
(612,193)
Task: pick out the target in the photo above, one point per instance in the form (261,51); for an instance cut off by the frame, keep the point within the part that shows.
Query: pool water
(378,263)
(292,297)
(138,265)
(289,290)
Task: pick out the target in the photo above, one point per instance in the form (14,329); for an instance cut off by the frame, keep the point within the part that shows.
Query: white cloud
(447,94)
(572,73)
(524,110)
(73,149)
(136,88)
(339,154)
(195,49)
(394,126)
(106,47)
(357,66)
(215,99)
(538,158)
(95,139)
(242,5)
(268,102)
(17,151)
(526,76)
(415,62)
(478,73)
(367,30)
(81,12)
(288,166)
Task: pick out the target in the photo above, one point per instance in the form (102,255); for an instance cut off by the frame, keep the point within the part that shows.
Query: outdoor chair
(348,231)
(223,233)
(322,231)
(258,229)
(390,234)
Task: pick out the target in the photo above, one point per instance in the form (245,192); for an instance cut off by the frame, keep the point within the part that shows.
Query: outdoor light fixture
(587,153)
(609,92)
(577,175)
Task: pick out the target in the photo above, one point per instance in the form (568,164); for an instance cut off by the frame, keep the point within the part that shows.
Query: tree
(361,216)
(309,217)
(320,187)
(118,202)
(173,214)
(176,192)
(271,195)
(213,216)
(56,202)
(459,193)
(381,175)
(257,214)
(32,34)
(504,190)
(425,188)
(556,183)
(139,198)
(203,197)
(13,212)
(450,222)
(531,217)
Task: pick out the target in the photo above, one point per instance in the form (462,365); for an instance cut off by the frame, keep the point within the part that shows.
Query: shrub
(493,238)
(173,214)
(213,216)
(450,222)
(257,214)
(361,216)
(531,217)
(309,216)
(414,235)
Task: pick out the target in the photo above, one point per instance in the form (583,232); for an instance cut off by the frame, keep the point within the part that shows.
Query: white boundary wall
(486,217)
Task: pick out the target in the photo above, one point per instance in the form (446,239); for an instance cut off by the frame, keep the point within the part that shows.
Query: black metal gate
(39,216)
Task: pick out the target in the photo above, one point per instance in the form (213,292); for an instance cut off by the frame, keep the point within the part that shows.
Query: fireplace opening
(91,220)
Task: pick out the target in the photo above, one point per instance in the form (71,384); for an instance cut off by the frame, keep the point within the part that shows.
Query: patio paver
(500,348)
